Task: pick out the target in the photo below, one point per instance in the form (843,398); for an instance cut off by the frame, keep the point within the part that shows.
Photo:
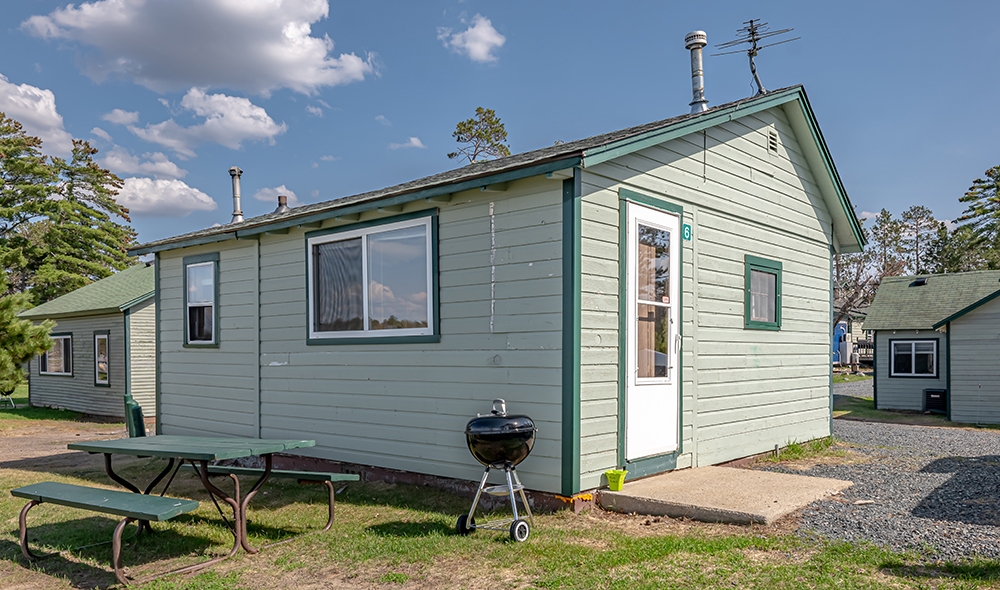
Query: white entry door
(652,333)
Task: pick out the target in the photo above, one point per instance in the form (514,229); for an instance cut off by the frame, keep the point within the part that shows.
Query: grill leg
(479,492)
(524,499)
(510,488)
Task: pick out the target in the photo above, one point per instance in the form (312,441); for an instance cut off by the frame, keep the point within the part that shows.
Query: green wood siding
(906,393)
(210,391)
(142,351)
(78,392)
(743,390)
(975,379)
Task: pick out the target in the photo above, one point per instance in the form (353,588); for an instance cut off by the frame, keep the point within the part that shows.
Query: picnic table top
(194,448)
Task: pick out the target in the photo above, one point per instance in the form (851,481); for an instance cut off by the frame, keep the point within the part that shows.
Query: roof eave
(137,300)
(68,314)
(967,309)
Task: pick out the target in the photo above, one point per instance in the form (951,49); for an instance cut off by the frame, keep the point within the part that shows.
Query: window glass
(397,279)
(339,286)
(201,283)
(915,358)
(653,265)
(652,330)
(762,296)
(902,357)
(923,358)
(653,347)
(201,293)
(101,359)
(58,360)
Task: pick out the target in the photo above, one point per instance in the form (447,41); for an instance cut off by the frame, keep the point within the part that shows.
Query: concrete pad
(721,494)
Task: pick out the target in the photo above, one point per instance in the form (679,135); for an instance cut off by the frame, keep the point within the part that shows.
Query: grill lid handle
(503,407)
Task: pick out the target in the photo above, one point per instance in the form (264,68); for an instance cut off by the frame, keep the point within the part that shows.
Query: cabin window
(101,371)
(373,282)
(201,300)
(762,299)
(58,360)
(913,358)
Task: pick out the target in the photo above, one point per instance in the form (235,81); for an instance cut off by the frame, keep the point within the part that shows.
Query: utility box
(936,401)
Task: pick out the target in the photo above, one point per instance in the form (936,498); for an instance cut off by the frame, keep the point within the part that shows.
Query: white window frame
(913,358)
(107,348)
(363,233)
(43,359)
(188,304)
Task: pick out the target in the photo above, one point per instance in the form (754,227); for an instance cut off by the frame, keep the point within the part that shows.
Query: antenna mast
(753,33)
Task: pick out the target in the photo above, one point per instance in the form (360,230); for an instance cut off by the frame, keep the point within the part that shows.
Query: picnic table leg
(239,530)
(143,524)
(23,526)
(246,502)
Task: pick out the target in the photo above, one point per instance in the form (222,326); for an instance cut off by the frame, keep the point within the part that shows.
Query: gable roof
(901,304)
(116,293)
(583,153)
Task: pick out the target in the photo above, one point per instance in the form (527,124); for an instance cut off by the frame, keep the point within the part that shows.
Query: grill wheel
(519,530)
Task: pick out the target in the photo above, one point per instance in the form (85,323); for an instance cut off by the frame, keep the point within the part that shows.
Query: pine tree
(19,339)
(983,211)
(484,136)
(919,228)
(887,243)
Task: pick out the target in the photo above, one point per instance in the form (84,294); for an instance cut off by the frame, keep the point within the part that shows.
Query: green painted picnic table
(198,451)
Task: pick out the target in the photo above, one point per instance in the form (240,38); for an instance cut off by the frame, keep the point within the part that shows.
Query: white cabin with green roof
(936,343)
(654,298)
(104,346)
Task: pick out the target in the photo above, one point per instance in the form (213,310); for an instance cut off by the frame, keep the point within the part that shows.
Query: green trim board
(668,461)
(107,345)
(129,304)
(966,310)
(947,378)
(127,320)
(572,221)
(937,358)
(216,304)
(72,356)
(158,344)
(874,368)
(755,263)
(435,323)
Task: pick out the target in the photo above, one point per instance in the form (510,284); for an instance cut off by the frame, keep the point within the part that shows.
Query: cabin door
(652,370)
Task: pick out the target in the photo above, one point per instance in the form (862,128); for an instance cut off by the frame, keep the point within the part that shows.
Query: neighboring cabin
(103,346)
(654,298)
(938,333)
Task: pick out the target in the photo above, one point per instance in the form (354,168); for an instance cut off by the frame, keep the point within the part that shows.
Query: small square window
(913,358)
(201,298)
(58,360)
(762,299)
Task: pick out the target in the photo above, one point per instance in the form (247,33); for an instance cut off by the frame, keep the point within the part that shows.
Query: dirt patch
(42,443)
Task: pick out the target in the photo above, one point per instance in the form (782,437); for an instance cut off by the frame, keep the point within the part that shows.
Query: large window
(59,359)
(201,296)
(913,358)
(762,300)
(376,281)
(102,374)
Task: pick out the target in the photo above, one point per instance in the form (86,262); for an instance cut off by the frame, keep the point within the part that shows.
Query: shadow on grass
(411,529)
(970,571)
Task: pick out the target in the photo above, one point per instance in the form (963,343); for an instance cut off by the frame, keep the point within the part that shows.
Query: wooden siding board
(975,378)
(142,350)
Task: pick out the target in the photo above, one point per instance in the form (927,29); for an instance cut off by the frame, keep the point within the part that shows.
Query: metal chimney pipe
(694,41)
(282,204)
(235,172)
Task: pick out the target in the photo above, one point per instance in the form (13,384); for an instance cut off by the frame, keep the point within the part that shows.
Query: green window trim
(892,374)
(43,358)
(212,257)
(106,335)
(764,265)
(433,334)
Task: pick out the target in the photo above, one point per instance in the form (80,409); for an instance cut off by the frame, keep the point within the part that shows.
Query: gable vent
(772,141)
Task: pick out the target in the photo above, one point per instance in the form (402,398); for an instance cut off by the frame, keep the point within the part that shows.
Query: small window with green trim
(201,300)
(762,297)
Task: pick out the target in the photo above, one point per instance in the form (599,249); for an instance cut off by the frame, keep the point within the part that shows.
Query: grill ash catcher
(500,441)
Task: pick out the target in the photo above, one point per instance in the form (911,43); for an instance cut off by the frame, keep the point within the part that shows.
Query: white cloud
(120,117)
(323,102)
(101,133)
(332,158)
(156,164)
(270,195)
(315,193)
(315,111)
(229,121)
(146,197)
(315,164)
(35,109)
(413,143)
(381,119)
(478,41)
(168,45)
(866,215)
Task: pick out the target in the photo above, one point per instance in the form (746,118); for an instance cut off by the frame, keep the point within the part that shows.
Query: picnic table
(198,451)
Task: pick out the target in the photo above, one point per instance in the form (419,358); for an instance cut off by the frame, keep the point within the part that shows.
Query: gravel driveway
(931,490)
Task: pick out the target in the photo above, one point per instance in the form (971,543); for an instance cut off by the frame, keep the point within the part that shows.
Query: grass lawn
(863,408)
(397,536)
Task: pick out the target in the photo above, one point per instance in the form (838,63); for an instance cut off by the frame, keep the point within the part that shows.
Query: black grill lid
(499,422)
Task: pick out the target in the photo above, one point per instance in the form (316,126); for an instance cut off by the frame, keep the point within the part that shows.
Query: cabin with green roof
(104,346)
(655,298)
(936,340)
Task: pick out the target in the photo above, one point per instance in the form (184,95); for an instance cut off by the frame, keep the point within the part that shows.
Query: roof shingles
(107,295)
(901,304)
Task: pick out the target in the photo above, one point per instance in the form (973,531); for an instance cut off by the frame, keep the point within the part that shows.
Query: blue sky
(321,100)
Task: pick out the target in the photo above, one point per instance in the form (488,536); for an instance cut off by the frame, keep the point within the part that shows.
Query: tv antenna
(753,33)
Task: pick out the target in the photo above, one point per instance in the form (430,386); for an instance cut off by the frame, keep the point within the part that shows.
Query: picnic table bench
(303,477)
(131,506)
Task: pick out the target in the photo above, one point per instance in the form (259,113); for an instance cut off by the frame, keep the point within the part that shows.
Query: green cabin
(655,298)
(935,342)
(104,346)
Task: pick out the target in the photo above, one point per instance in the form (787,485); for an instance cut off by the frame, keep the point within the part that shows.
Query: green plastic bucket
(616,479)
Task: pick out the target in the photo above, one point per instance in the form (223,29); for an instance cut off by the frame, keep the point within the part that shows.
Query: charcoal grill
(500,440)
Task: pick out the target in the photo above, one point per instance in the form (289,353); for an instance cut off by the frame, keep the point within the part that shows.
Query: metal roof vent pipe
(235,172)
(282,204)
(694,41)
